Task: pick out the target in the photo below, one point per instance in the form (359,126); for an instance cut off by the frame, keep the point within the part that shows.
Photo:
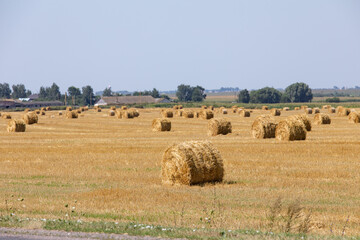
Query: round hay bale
(224,111)
(342,112)
(43,109)
(296,108)
(308,111)
(316,110)
(98,109)
(325,107)
(265,108)
(218,126)
(176,107)
(206,114)
(167,113)
(322,118)
(42,113)
(192,162)
(304,107)
(331,110)
(86,108)
(290,129)
(275,112)
(188,114)
(47,108)
(134,112)
(68,108)
(161,125)
(211,108)
(16,125)
(264,126)
(305,120)
(180,106)
(60,113)
(26,110)
(78,110)
(6,116)
(244,113)
(113,108)
(71,114)
(30,118)
(127,114)
(286,109)
(203,107)
(111,113)
(354,117)
(123,108)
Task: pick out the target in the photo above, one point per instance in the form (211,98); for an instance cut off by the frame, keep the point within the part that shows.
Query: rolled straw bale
(192,162)
(71,114)
(264,127)
(275,112)
(175,107)
(308,111)
(316,110)
(167,113)
(68,108)
(30,118)
(27,110)
(265,108)
(86,108)
(42,112)
(111,113)
(180,106)
(161,124)
(224,111)
(6,116)
(234,110)
(196,114)
(211,108)
(286,109)
(325,107)
(354,117)
(16,125)
(305,119)
(98,109)
(60,113)
(37,111)
(48,108)
(78,110)
(331,110)
(322,118)
(113,108)
(118,113)
(134,112)
(296,108)
(218,126)
(123,108)
(43,109)
(203,107)
(290,129)
(341,111)
(188,114)
(82,109)
(244,113)
(304,107)
(127,114)
(206,114)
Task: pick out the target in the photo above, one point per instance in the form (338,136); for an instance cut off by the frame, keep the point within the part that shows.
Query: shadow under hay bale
(290,129)
(16,125)
(305,119)
(192,162)
(111,113)
(275,112)
(264,126)
(206,114)
(218,126)
(167,113)
(161,125)
(71,114)
(244,113)
(322,118)
(354,117)
(30,118)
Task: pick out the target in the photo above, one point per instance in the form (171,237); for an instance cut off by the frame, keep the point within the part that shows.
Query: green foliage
(265,95)
(333,100)
(186,93)
(107,92)
(19,91)
(155,93)
(244,96)
(299,92)
(74,91)
(50,93)
(5,90)
(88,97)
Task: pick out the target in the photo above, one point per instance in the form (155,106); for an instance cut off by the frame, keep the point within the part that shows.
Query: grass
(107,169)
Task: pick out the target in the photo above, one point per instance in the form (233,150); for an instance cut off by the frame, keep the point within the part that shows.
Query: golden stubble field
(109,169)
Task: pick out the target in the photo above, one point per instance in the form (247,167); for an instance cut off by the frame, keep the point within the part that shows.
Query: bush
(333,100)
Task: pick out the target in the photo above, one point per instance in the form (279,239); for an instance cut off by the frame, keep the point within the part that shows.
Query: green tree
(19,91)
(299,92)
(88,97)
(107,92)
(184,93)
(5,90)
(54,92)
(155,93)
(42,93)
(198,94)
(28,93)
(165,96)
(244,96)
(74,91)
(265,95)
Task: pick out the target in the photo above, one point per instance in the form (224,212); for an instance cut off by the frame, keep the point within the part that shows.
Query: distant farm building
(127,100)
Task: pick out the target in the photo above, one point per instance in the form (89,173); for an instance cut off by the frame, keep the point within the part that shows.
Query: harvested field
(109,169)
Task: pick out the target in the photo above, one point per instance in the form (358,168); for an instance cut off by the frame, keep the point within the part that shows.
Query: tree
(5,90)
(42,93)
(28,93)
(244,96)
(198,94)
(184,93)
(19,91)
(107,92)
(265,95)
(54,92)
(299,92)
(155,93)
(165,96)
(88,97)
(74,91)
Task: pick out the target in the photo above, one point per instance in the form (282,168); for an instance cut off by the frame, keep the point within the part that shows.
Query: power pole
(65,99)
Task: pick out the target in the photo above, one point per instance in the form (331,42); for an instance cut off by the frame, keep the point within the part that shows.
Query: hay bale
(180,113)
(78,111)
(26,110)
(30,118)
(134,112)
(326,107)
(305,119)
(68,108)
(316,110)
(206,114)
(60,113)
(286,109)
(111,113)
(244,113)
(265,108)
(224,111)
(48,108)
(98,109)
(6,116)
(264,127)
(161,125)
(354,117)
(308,111)
(125,114)
(16,125)
(218,126)
(342,112)
(322,118)
(290,129)
(123,108)
(71,114)
(203,107)
(304,107)
(175,107)
(275,112)
(192,162)
(188,114)
(43,109)
(211,108)
(167,113)
(86,108)
(331,110)
(296,108)
(180,106)
(113,108)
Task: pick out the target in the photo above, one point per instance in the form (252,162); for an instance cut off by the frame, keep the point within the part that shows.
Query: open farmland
(99,167)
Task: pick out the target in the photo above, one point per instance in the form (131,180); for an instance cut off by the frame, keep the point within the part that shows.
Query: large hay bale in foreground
(305,120)
(111,113)
(264,126)
(354,117)
(342,112)
(218,126)
(16,125)
(192,162)
(6,116)
(322,118)
(275,112)
(188,114)
(206,114)
(244,113)
(161,124)
(30,118)
(167,113)
(290,129)
(71,114)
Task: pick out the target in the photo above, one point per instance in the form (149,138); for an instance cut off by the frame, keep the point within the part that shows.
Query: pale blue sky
(137,45)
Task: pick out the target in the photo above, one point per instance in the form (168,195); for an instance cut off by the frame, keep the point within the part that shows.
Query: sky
(141,44)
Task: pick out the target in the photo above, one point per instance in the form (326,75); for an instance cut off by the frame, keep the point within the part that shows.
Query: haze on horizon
(138,45)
